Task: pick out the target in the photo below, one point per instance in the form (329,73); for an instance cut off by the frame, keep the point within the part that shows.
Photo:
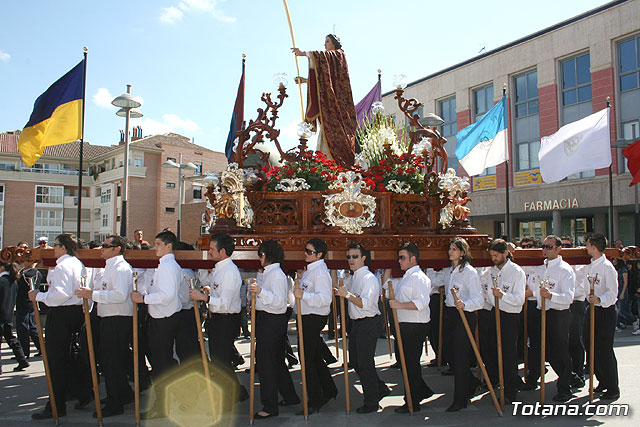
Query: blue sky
(183,57)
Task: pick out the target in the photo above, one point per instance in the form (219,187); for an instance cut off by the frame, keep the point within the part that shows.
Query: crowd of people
(165,296)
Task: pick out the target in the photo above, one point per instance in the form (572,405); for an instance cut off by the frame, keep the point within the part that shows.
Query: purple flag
(363,109)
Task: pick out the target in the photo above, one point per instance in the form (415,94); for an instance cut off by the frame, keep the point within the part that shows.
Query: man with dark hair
(64,319)
(137,235)
(567,241)
(527,243)
(604,297)
(224,305)
(115,311)
(163,304)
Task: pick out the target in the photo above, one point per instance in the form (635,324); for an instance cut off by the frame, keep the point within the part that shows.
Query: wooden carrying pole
(499,343)
(293,40)
(345,360)
(477,352)
(45,359)
(592,329)
(92,356)
(136,362)
(403,364)
(305,397)
(440,321)
(335,324)
(543,347)
(386,320)
(203,353)
(252,357)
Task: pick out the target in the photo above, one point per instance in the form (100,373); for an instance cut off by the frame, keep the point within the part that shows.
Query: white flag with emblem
(577,147)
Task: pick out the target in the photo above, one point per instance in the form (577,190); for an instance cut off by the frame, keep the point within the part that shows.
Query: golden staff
(403,364)
(477,352)
(45,359)
(543,343)
(386,318)
(252,357)
(305,398)
(136,362)
(203,353)
(92,356)
(592,326)
(293,40)
(496,304)
(345,362)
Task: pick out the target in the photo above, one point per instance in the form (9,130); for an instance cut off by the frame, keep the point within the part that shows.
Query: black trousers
(434,324)
(26,329)
(187,340)
(62,324)
(558,323)
(271,331)
(413,336)
(461,350)
(223,330)
(576,337)
(363,338)
(604,358)
(486,346)
(161,335)
(320,385)
(115,334)
(12,341)
(509,325)
(534,335)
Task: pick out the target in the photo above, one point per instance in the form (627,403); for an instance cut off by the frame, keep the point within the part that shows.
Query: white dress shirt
(225,288)
(63,282)
(366,286)
(414,287)
(113,294)
(511,281)
(467,286)
(317,289)
(144,280)
(162,297)
(436,278)
(561,284)
(485,283)
(606,287)
(273,296)
(582,286)
(532,273)
(185,287)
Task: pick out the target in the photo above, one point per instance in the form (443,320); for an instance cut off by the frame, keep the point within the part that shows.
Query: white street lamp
(180,166)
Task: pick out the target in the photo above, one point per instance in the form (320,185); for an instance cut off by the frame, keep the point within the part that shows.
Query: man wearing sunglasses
(558,292)
(115,310)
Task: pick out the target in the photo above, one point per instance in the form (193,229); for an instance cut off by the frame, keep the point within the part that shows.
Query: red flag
(632,153)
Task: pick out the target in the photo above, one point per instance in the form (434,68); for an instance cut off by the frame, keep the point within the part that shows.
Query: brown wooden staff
(403,364)
(136,362)
(92,356)
(543,340)
(345,360)
(203,353)
(440,322)
(45,359)
(592,328)
(477,352)
(526,338)
(305,398)
(252,357)
(496,304)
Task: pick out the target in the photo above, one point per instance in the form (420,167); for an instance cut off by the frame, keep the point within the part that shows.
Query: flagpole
(610,187)
(507,222)
(293,40)
(84,90)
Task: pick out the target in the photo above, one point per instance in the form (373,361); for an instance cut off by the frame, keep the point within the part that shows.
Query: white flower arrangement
(398,187)
(378,131)
(296,184)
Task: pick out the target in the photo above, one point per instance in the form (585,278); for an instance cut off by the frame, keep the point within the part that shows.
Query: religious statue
(330,101)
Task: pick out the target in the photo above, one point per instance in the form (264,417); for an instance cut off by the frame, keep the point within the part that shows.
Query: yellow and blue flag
(56,117)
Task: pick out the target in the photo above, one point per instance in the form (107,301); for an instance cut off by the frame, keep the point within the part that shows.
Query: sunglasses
(548,246)
(42,243)
(529,246)
(402,257)
(353,256)
(107,246)
(310,252)
(567,245)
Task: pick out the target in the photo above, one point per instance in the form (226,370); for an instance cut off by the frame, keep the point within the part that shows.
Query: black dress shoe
(260,416)
(285,403)
(22,365)
(81,404)
(365,409)
(109,411)
(610,395)
(46,414)
(455,407)
(311,410)
(404,409)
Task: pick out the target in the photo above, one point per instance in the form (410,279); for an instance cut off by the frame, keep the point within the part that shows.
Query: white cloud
(4,56)
(102,98)
(173,14)
(169,123)
(289,137)
(176,122)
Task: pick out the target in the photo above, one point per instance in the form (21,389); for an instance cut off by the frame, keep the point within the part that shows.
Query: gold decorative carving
(350,210)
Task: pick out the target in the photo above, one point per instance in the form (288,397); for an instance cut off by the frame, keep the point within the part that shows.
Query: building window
(528,155)
(1,193)
(197,193)
(48,218)
(49,195)
(482,101)
(7,166)
(138,161)
(198,170)
(118,190)
(105,196)
(576,80)
(629,63)
(171,185)
(169,210)
(447,110)
(526,89)
(105,220)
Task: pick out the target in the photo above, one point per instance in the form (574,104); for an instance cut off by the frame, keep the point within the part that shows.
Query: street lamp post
(180,166)
(128,109)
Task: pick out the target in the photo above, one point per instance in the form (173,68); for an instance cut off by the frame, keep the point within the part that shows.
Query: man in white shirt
(412,307)
(224,307)
(604,297)
(363,294)
(507,283)
(164,305)
(64,319)
(115,310)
